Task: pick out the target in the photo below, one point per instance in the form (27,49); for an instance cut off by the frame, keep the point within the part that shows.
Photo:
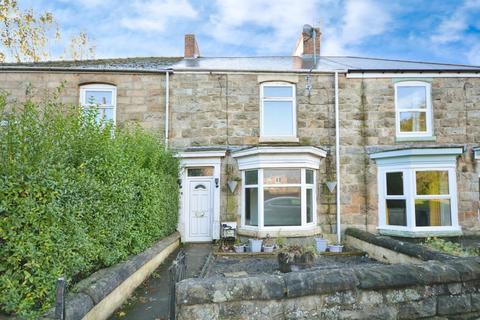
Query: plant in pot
(337,248)
(268,244)
(238,246)
(255,244)
(295,257)
(321,244)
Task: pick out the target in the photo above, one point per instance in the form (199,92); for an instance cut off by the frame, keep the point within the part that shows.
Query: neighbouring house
(261,139)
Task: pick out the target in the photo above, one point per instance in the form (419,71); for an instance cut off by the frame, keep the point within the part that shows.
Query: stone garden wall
(436,290)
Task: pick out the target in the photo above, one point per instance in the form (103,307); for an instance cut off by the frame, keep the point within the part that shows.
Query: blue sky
(435,30)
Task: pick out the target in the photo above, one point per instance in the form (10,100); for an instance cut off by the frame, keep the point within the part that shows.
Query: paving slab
(150,300)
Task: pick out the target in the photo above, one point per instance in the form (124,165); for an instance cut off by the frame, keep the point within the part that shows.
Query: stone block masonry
(429,290)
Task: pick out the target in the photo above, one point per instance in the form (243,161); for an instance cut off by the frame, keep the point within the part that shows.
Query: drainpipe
(167,106)
(337,160)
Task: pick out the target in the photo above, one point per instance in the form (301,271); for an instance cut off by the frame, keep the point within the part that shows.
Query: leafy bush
(451,248)
(75,196)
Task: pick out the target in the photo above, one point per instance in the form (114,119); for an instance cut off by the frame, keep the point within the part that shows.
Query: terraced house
(295,145)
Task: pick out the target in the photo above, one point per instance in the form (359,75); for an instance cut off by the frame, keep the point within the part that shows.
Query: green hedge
(75,196)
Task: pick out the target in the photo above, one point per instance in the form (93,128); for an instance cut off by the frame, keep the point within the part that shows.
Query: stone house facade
(259,137)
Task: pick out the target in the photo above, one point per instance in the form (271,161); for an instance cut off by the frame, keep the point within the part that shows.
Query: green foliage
(75,196)
(451,248)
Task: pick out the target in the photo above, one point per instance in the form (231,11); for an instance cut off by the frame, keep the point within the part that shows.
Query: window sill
(415,138)
(453,232)
(275,232)
(278,139)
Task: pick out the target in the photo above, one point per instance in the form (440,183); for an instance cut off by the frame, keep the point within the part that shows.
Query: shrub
(451,248)
(75,196)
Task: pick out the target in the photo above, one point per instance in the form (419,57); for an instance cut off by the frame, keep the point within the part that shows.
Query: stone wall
(431,290)
(222,110)
(140,97)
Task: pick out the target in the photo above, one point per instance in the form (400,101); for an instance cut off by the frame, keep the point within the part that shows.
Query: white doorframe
(199,159)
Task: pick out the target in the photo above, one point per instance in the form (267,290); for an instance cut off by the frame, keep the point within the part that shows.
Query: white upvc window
(103,97)
(278,118)
(413,106)
(418,191)
(276,198)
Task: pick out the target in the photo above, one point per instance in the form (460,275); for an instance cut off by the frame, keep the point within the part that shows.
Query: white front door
(200,209)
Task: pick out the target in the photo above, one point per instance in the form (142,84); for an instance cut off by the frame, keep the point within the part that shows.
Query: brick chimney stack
(191,47)
(305,44)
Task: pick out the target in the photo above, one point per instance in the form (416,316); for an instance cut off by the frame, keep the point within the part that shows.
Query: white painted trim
(201,154)
(476,152)
(428,111)
(416,152)
(297,150)
(197,161)
(100,87)
(260,186)
(405,74)
(292,99)
(410,161)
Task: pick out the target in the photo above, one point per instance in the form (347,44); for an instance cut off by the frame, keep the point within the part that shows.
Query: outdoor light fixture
(216,182)
(179,182)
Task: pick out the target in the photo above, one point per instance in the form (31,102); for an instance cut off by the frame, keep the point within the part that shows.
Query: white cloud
(452,26)
(361,19)
(154,15)
(261,24)
(473,55)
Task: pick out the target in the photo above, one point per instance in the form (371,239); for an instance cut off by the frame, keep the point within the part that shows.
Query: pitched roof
(272,64)
(145,64)
(324,63)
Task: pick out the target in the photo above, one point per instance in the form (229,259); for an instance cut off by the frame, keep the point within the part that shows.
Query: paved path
(150,300)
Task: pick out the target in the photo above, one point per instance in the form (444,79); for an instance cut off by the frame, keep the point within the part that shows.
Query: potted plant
(295,257)
(268,244)
(255,244)
(335,248)
(321,244)
(238,246)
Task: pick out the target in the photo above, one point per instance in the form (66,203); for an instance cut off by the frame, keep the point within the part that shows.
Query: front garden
(76,195)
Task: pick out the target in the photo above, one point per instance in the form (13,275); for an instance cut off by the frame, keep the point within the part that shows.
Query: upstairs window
(413,105)
(100,96)
(278,110)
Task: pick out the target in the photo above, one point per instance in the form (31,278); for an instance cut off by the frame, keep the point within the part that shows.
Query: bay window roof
(279,157)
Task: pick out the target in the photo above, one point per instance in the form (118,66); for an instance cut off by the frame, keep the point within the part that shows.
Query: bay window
(286,197)
(418,191)
(279,188)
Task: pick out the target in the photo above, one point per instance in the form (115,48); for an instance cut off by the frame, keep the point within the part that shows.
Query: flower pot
(268,248)
(239,248)
(321,244)
(255,245)
(288,262)
(305,260)
(335,248)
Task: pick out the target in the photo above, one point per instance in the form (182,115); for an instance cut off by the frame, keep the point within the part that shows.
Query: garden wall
(424,290)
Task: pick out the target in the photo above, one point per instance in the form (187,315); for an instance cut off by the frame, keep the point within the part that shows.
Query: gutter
(80,70)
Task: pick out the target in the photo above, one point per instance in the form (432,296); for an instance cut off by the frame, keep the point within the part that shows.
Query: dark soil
(269,265)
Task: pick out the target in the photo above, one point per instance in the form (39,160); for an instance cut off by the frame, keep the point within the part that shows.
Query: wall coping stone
(318,282)
(90,291)
(408,248)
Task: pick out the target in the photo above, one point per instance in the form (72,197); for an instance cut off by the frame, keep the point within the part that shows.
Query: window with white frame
(103,97)
(418,190)
(278,110)
(413,105)
(279,197)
